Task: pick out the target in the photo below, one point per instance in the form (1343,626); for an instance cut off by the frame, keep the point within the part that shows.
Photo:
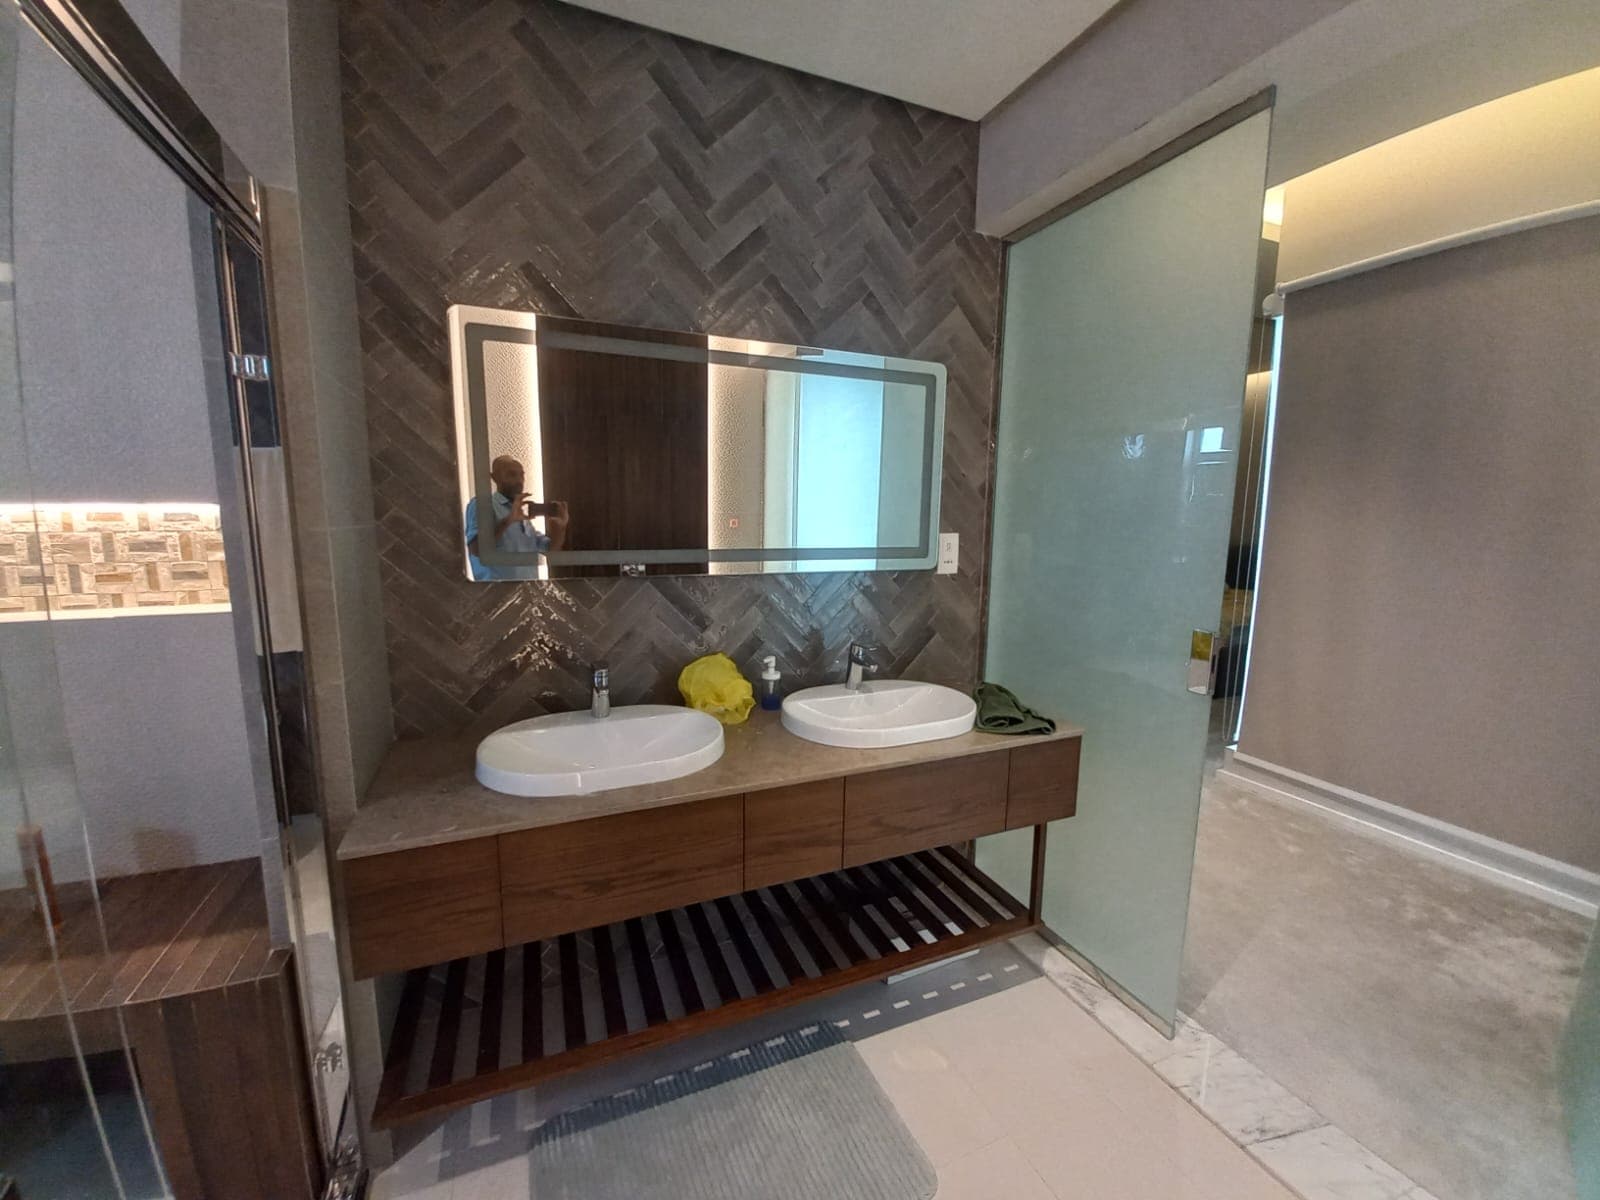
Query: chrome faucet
(860,664)
(600,696)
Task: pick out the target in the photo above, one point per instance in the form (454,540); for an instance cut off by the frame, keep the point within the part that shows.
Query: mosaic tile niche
(81,560)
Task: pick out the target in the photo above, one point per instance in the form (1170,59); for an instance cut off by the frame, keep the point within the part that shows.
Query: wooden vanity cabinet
(413,908)
(864,855)
(564,877)
(1043,783)
(792,832)
(912,808)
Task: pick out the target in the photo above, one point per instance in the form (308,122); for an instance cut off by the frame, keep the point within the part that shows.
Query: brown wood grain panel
(1044,783)
(566,877)
(158,1078)
(299,1156)
(933,804)
(791,832)
(623,442)
(414,908)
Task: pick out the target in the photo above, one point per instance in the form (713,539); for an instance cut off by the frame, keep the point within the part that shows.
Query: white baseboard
(1558,883)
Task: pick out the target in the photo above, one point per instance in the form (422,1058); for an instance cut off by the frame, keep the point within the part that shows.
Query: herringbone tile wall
(522,153)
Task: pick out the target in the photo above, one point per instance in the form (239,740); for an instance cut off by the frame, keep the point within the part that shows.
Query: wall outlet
(949,553)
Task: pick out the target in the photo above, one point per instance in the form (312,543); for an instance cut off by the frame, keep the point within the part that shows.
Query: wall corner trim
(1557,883)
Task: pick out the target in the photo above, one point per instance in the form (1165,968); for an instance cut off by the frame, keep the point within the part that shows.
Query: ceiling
(955,56)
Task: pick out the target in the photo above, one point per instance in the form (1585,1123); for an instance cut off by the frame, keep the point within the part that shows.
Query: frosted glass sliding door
(1124,356)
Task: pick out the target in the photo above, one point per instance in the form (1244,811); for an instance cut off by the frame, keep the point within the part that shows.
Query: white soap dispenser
(771,696)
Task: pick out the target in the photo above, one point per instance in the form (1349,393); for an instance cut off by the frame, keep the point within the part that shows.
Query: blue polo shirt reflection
(520,537)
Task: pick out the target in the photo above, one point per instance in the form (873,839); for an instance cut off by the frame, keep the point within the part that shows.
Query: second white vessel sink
(880,712)
(570,754)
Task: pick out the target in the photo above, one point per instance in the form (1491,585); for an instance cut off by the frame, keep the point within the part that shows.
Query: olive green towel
(1001,712)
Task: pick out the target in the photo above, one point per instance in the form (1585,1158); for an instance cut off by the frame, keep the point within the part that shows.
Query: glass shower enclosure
(154,741)
(1127,328)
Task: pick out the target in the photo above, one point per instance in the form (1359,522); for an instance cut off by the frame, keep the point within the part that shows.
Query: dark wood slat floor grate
(586,996)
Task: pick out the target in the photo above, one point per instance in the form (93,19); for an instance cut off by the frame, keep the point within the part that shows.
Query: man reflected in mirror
(514,511)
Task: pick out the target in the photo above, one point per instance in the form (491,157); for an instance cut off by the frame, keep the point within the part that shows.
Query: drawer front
(567,877)
(1044,783)
(913,808)
(414,908)
(791,832)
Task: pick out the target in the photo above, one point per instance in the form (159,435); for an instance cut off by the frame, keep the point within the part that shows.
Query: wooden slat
(836,924)
(605,962)
(711,952)
(773,934)
(573,1026)
(678,959)
(971,871)
(494,986)
(443,1066)
(935,899)
(299,1158)
(403,1037)
(928,891)
(468,1091)
(271,1127)
(968,896)
(644,973)
(848,898)
(532,1001)
(760,978)
(158,1079)
(875,895)
(896,886)
(800,924)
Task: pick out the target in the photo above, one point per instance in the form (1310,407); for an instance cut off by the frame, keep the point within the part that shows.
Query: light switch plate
(949,553)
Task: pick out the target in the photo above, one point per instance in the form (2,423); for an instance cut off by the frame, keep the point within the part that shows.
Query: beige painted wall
(1529,152)
(1347,75)
(1426,630)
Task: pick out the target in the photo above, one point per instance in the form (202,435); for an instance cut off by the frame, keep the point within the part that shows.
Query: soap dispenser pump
(771,697)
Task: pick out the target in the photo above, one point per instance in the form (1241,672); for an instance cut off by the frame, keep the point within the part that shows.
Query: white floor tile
(507,1180)
(999,1171)
(1328,1164)
(938,1105)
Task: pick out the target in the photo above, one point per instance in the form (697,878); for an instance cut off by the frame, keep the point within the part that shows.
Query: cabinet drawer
(791,832)
(1044,783)
(566,877)
(912,808)
(413,908)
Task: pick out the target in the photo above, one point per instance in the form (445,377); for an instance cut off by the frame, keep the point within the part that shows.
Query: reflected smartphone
(535,509)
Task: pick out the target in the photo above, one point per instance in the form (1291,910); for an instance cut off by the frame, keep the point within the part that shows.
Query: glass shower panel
(72,1118)
(1125,348)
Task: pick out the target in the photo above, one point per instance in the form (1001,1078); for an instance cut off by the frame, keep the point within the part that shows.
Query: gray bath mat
(797,1117)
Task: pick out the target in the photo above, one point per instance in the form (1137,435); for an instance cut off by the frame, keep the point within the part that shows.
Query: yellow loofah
(713,685)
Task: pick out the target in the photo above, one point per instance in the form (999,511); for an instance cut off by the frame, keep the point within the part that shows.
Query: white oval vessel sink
(881,712)
(570,754)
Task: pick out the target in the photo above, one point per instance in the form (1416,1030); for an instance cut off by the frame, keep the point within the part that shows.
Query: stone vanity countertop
(425,793)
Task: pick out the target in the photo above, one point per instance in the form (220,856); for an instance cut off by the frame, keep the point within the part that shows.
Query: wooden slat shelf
(474,1027)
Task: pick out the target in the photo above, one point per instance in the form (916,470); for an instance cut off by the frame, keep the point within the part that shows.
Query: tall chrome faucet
(860,664)
(600,696)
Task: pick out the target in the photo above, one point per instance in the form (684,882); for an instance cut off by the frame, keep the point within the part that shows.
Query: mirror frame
(471,327)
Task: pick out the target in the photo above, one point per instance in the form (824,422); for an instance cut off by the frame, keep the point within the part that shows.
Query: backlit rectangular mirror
(590,449)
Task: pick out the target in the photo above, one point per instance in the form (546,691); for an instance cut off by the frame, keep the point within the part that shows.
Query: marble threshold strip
(1293,1141)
